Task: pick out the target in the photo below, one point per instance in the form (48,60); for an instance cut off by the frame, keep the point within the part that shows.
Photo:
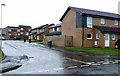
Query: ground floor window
(113,36)
(97,36)
(89,35)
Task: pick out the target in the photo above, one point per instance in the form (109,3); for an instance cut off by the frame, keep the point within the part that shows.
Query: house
(54,30)
(33,33)
(91,28)
(3,32)
(12,32)
(43,31)
(21,31)
(56,37)
(24,31)
(39,32)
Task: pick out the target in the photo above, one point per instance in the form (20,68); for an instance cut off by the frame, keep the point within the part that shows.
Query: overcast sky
(40,12)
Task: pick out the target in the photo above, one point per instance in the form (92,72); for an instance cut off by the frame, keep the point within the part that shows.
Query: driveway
(48,61)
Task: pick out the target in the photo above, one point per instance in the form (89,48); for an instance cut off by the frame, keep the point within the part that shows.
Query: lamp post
(1,24)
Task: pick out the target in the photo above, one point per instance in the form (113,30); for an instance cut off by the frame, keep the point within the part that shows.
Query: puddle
(12,62)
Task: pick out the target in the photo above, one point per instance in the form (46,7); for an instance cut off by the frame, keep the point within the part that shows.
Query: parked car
(16,38)
(117,44)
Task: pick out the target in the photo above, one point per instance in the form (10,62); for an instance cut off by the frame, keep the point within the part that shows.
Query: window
(89,35)
(9,34)
(53,29)
(27,34)
(21,32)
(18,33)
(28,29)
(21,28)
(116,22)
(15,34)
(97,36)
(113,36)
(102,21)
(9,30)
(89,22)
(57,28)
(18,30)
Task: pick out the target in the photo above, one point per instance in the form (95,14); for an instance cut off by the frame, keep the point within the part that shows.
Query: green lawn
(1,55)
(105,51)
(36,41)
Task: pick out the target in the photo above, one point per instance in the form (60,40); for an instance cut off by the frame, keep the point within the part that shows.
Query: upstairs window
(89,22)
(29,29)
(18,30)
(9,30)
(57,28)
(21,28)
(116,22)
(102,21)
(53,29)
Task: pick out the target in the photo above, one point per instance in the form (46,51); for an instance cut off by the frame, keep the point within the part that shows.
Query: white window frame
(18,33)
(115,22)
(53,29)
(18,30)
(97,36)
(91,35)
(21,29)
(89,22)
(9,34)
(113,36)
(21,33)
(9,30)
(57,28)
(27,33)
(102,20)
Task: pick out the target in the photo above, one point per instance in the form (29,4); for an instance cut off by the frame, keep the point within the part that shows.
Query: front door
(107,40)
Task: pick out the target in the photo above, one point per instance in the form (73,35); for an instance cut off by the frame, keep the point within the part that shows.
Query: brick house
(21,31)
(90,28)
(56,37)
(54,30)
(39,32)
(24,31)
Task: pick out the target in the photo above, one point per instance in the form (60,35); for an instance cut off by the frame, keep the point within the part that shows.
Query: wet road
(47,61)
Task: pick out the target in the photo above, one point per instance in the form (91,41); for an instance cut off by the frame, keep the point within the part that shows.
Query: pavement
(43,60)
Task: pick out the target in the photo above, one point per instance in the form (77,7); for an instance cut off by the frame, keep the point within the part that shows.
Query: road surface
(47,61)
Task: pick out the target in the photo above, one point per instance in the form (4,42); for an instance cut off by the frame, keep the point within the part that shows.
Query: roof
(40,33)
(39,27)
(108,29)
(57,25)
(12,27)
(24,26)
(91,12)
(33,33)
(53,33)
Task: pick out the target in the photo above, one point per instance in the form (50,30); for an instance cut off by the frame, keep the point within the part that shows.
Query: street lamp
(1,24)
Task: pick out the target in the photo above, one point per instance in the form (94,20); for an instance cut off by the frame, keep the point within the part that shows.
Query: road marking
(59,69)
(84,65)
(95,64)
(76,60)
(72,67)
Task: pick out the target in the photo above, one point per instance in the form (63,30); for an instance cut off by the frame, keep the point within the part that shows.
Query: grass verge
(105,51)
(1,55)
